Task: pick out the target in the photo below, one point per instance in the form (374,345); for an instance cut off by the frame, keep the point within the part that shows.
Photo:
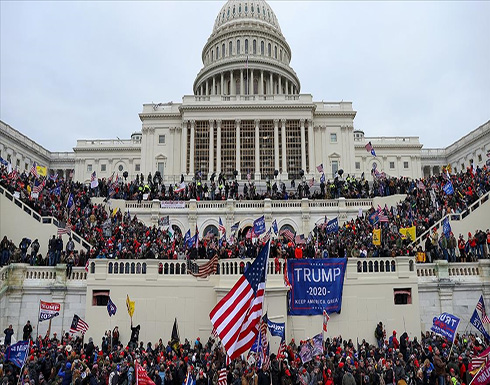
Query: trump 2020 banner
(445,325)
(316,285)
(48,310)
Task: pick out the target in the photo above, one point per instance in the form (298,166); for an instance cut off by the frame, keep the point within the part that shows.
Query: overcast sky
(82,70)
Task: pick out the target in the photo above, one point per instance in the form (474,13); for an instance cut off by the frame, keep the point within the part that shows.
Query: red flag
(141,376)
(483,376)
(325,320)
(237,315)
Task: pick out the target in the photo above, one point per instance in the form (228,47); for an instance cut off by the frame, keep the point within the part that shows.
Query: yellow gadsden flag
(409,232)
(377,237)
(130,306)
(42,171)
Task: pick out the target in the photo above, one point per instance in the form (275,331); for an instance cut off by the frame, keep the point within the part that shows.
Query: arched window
(217,52)
(254,47)
(275,52)
(280,55)
(246,46)
(223,51)
(230,48)
(269,52)
(116,268)
(238,47)
(212,55)
(262,48)
(110,268)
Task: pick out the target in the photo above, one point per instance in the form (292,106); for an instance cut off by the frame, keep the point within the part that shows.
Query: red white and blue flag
(237,315)
(480,306)
(78,325)
(34,170)
(221,228)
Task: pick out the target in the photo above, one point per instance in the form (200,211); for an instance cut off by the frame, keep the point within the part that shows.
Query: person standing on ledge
(27,331)
(8,335)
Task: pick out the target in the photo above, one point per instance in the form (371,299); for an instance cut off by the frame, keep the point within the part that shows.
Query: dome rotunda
(246,54)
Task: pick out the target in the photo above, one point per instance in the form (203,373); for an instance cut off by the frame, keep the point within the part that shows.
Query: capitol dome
(235,10)
(246,54)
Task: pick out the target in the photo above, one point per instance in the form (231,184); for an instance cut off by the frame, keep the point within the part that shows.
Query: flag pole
(37,326)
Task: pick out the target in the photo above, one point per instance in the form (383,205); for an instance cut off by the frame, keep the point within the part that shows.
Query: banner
(316,285)
(259,226)
(333,226)
(445,325)
(311,348)
(446,227)
(377,237)
(17,353)
(48,310)
(448,188)
(130,306)
(277,329)
(42,171)
(483,376)
(476,322)
(409,232)
(142,377)
(172,205)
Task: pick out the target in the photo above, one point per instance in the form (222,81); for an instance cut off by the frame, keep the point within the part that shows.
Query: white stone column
(232,84)
(211,147)
(284,174)
(222,83)
(326,165)
(241,86)
(276,144)
(201,90)
(237,158)
(271,84)
(183,144)
(286,86)
(261,88)
(303,145)
(257,149)
(207,87)
(279,84)
(251,85)
(192,149)
(218,146)
(213,92)
(311,149)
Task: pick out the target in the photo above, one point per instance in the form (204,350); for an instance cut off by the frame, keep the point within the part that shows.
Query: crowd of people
(425,360)
(120,235)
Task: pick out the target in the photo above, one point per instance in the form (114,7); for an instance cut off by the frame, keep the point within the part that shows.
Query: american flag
(320,168)
(325,320)
(38,186)
(300,239)
(33,170)
(237,315)
(86,265)
(78,325)
(222,376)
(477,361)
(369,147)
(205,270)
(286,279)
(282,348)
(481,307)
(214,334)
(421,185)
(94,182)
(286,233)
(311,182)
(221,228)
(264,352)
(64,230)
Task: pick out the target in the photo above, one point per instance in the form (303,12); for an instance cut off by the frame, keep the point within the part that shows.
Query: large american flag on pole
(237,315)
(33,170)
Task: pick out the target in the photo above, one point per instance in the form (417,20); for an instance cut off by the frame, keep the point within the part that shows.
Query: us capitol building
(247,117)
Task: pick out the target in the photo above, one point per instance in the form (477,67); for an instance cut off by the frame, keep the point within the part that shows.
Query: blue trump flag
(322,178)
(17,353)
(445,325)
(274,227)
(277,329)
(259,225)
(111,307)
(316,285)
(476,322)
(448,188)
(446,227)
(187,237)
(333,226)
